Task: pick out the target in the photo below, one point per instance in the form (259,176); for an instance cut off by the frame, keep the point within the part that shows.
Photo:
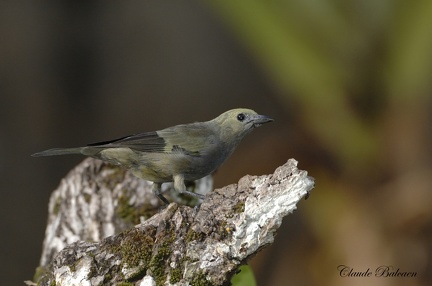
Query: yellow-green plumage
(180,153)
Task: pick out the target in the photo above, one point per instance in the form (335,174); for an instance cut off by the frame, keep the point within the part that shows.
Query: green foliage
(245,277)
(340,62)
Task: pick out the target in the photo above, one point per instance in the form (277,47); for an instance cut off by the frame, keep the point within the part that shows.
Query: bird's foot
(197,208)
(195,195)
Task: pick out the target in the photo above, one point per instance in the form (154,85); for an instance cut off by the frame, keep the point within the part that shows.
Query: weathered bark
(91,240)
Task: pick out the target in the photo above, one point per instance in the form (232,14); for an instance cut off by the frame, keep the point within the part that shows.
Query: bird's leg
(157,191)
(197,208)
(180,187)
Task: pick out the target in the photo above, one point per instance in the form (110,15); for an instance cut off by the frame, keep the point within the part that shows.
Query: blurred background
(347,82)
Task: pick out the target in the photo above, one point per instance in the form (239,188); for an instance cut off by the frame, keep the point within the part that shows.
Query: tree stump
(106,227)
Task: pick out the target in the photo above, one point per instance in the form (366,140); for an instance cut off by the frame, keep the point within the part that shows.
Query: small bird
(180,153)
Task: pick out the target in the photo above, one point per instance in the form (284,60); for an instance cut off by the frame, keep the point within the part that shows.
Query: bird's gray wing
(196,139)
(144,142)
(190,139)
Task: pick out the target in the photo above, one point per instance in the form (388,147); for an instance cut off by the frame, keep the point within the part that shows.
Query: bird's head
(234,124)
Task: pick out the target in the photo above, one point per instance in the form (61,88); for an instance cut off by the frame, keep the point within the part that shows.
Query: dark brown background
(347,82)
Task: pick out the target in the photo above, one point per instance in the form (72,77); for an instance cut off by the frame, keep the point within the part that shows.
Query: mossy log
(106,227)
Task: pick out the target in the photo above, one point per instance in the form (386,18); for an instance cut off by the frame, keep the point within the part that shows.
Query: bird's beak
(259,120)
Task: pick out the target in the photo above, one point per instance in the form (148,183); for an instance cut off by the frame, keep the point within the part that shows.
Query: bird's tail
(59,151)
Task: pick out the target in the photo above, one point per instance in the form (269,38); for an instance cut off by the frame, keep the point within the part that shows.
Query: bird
(178,154)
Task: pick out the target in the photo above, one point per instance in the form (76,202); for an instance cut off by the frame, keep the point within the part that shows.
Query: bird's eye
(241,117)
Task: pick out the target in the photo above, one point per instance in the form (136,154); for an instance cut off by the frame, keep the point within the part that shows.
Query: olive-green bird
(185,152)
